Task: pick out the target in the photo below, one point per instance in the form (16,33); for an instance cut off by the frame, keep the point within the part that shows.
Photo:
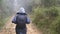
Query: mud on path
(9,28)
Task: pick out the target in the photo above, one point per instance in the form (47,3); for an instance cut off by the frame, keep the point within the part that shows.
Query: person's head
(21,10)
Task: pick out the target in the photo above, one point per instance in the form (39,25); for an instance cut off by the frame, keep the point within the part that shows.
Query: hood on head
(21,10)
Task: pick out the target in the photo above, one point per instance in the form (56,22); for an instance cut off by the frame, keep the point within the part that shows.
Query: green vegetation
(5,12)
(2,23)
(46,16)
(47,19)
(46,13)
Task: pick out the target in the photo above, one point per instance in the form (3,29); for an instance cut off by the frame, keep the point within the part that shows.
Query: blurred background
(45,14)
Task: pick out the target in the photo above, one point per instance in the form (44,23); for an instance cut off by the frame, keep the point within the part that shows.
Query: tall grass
(47,19)
(3,22)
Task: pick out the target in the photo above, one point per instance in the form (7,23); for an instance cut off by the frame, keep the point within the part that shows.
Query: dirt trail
(9,28)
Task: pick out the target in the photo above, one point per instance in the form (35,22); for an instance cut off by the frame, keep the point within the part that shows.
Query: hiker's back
(21,20)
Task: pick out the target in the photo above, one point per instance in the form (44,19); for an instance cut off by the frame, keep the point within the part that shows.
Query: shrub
(45,19)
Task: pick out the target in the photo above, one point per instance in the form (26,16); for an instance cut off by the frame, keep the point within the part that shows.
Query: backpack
(21,20)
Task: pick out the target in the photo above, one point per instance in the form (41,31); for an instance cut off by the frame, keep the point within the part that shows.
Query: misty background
(45,14)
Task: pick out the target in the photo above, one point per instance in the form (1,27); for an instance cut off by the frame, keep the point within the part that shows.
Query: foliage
(46,16)
(5,11)
(2,23)
(47,20)
(48,3)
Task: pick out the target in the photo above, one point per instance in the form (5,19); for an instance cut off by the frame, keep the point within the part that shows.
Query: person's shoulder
(25,13)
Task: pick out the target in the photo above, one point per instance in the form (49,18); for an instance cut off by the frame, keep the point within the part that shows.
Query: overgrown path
(9,28)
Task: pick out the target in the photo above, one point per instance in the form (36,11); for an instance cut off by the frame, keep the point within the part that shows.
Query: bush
(3,21)
(45,19)
(53,12)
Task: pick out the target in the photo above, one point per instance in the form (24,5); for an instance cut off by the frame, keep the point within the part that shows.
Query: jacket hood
(21,10)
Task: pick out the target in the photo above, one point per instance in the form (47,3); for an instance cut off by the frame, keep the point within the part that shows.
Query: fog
(21,3)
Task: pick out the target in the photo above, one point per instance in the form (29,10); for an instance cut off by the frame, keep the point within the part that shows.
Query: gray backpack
(21,20)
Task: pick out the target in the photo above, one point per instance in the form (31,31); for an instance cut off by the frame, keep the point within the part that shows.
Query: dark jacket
(14,19)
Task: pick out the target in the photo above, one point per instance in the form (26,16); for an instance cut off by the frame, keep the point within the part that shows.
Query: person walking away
(21,19)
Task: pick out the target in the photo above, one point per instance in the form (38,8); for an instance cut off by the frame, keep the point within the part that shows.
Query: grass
(47,19)
(3,22)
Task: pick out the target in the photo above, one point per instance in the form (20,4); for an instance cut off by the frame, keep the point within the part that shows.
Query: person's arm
(28,20)
(14,20)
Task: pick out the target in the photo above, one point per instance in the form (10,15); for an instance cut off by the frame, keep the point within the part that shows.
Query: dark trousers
(20,31)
